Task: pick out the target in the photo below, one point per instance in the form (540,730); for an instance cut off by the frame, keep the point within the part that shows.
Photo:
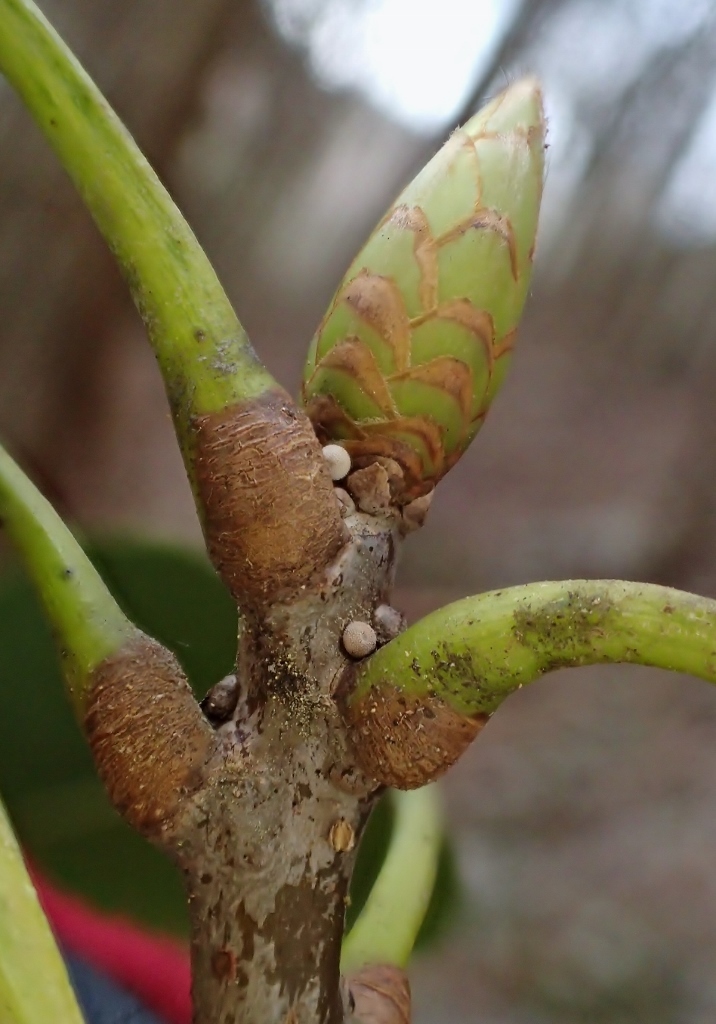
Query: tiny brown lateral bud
(370,489)
(342,836)
(396,476)
(380,994)
(359,639)
(223,965)
(388,622)
(415,513)
(220,701)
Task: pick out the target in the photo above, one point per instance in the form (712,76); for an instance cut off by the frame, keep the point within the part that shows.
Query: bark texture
(268,844)
(256,794)
(148,738)
(407,742)
(270,518)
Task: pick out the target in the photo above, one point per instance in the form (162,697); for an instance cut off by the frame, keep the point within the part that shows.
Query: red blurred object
(154,968)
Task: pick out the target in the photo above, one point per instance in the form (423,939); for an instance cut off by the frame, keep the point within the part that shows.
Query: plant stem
(389,923)
(205,357)
(253,460)
(34,987)
(454,668)
(88,623)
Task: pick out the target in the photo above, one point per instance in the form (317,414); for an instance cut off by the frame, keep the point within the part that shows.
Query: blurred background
(585,817)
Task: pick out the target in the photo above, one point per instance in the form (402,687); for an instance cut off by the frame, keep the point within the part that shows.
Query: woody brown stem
(258,800)
(262,812)
(267,844)
(267,893)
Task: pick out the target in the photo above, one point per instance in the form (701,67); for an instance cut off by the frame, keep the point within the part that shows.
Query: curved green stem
(204,355)
(88,624)
(388,925)
(34,987)
(474,653)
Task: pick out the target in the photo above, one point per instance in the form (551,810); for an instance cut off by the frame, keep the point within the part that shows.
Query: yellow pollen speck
(342,836)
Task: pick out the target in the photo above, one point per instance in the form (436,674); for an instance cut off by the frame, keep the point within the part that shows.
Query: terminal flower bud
(418,337)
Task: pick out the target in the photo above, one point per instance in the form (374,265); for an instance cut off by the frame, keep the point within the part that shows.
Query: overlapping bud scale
(418,337)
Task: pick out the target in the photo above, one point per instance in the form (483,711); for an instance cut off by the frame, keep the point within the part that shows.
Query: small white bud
(359,639)
(338,460)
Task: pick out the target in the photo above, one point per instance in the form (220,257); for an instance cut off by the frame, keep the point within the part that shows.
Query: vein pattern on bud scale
(417,339)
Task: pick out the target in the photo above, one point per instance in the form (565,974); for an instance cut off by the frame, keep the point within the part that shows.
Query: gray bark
(267,846)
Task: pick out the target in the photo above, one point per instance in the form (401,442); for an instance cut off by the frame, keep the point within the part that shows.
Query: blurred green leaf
(373,848)
(445,900)
(27,948)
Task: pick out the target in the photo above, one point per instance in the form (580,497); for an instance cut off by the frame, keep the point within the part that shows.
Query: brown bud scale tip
(271,520)
(148,737)
(380,994)
(406,742)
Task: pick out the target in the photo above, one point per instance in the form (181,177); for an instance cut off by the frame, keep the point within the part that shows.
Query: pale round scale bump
(359,639)
(338,461)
